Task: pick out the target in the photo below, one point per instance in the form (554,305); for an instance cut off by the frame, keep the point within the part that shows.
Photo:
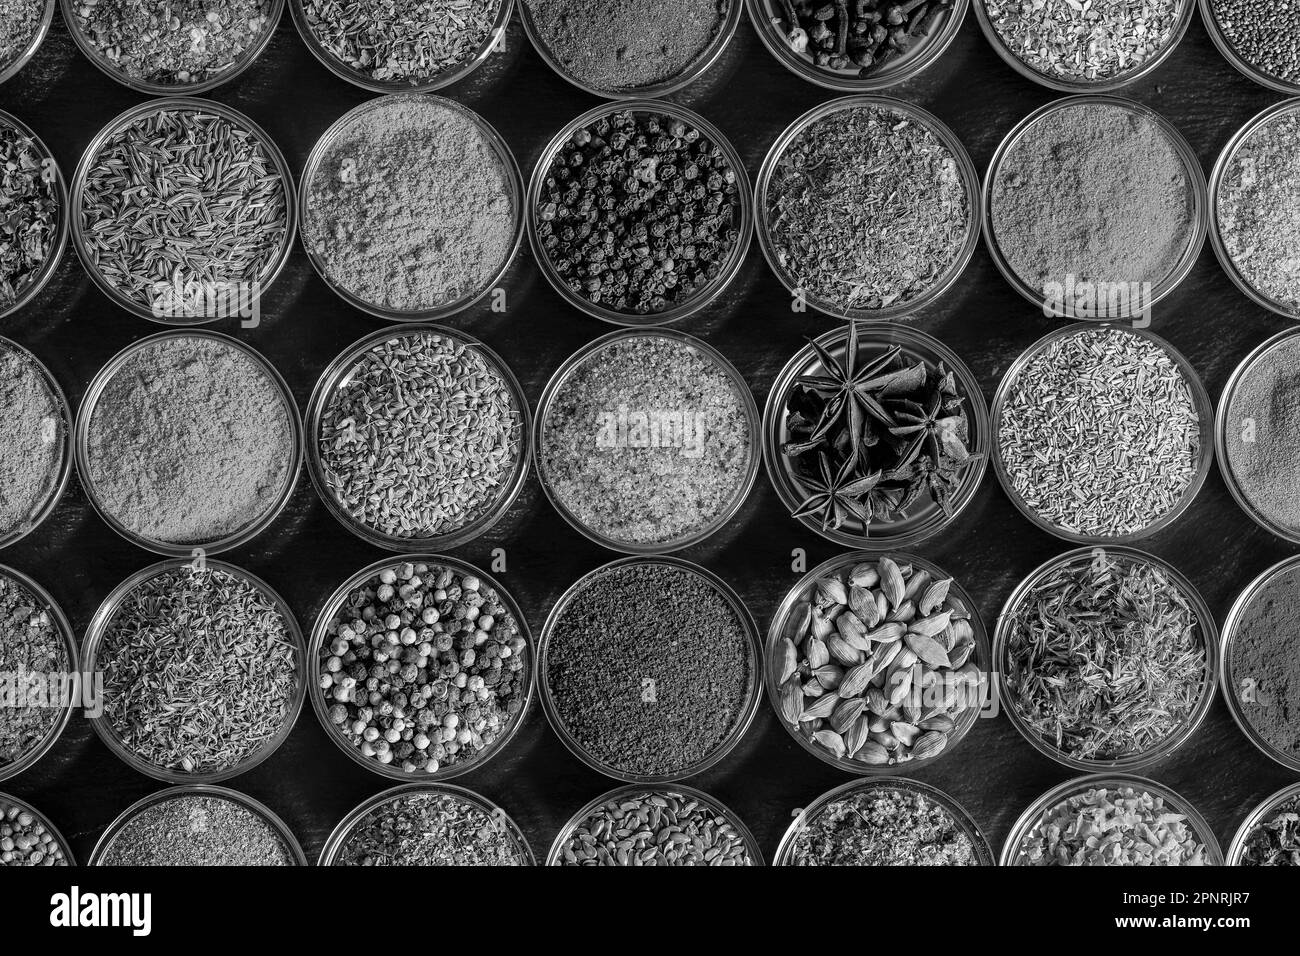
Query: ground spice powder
(1262,435)
(35,432)
(1264,658)
(191,830)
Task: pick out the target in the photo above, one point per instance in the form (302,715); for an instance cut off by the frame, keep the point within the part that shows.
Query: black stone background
(306,554)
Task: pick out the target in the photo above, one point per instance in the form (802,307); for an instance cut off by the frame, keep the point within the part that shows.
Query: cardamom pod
(877,701)
(815,650)
(801,620)
(853,631)
(891,581)
(926,649)
(829,676)
(873,753)
(791,701)
(812,688)
(940,722)
(821,707)
(904,612)
(929,744)
(905,733)
(887,633)
(822,626)
(864,575)
(885,739)
(959,609)
(879,725)
(863,603)
(831,741)
(934,596)
(906,658)
(846,713)
(856,680)
(961,630)
(911,711)
(919,580)
(857,735)
(930,626)
(884,655)
(830,591)
(900,684)
(958,658)
(842,651)
(787,660)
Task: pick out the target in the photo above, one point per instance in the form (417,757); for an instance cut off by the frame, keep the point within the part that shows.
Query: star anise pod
(837,497)
(933,429)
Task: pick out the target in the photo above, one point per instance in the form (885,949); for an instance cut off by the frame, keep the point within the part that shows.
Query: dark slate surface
(305,554)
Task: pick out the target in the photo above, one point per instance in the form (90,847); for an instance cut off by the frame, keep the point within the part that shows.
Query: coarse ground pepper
(1258,209)
(883,826)
(36,433)
(196,830)
(190,441)
(622,45)
(411,207)
(1094,191)
(866,209)
(178,42)
(1262,435)
(1264,658)
(649,668)
(32,652)
(29,200)
(646,441)
(429,829)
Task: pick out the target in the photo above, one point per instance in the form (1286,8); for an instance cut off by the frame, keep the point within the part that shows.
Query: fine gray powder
(34,433)
(1263,434)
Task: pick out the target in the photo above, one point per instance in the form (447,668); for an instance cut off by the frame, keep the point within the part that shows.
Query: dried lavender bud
(883,826)
(1121,826)
(430,829)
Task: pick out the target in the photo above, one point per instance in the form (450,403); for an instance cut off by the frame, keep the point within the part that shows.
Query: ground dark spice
(194,830)
(199,670)
(429,829)
(638,212)
(622,45)
(31,647)
(19,21)
(1262,434)
(1275,841)
(1264,33)
(866,209)
(883,826)
(411,207)
(1094,191)
(25,840)
(1264,658)
(649,668)
(29,211)
(189,442)
(36,432)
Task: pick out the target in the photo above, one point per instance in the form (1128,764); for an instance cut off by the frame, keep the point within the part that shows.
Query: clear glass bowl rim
(34,44)
(62,231)
(1259,815)
(1238,61)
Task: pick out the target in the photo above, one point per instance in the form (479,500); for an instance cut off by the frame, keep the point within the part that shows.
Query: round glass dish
(791,621)
(1012,854)
(693,70)
(963,820)
(1244,66)
(946,137)
(60,241)
(340,371)
(877,337)
(1255,819)
(60,483)
(1231,686)
(752,694)
(72,684)
(557,856)
(8,70)
(704,296)
(1065,85)
(6,800)
(560,378)
(320,632)
(90,161)
(510,171)
(1196,183)
(1209,635)
(98,629)
(766,15)
(287,839)
(1204,412)
(348,826)
(1221,425)
(154,88)
(81,447)
(496,34)
(1217,175)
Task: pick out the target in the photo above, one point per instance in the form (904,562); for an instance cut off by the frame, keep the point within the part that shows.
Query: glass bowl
(72,688)
(1235,380)
(704,296)
(1011,850)
(65,468)
(329,855)
(8,800)
(963,820)
(152,88)
(510,171)
(60,240)
(752,694)
(697,68)
(1258,816)
(790,619)
(966,169)
(1064,85)
(1228,682)
(1205,454)
(105,842)
(1190,724)
(903,68)
(81,447)
(1196,184)
(495,35)
(877,337)
(715,806)
(340,370)
(320,632)
(1253,125)
(561,376)
(7,71)
(90,161)
(97,632)
(1244,66)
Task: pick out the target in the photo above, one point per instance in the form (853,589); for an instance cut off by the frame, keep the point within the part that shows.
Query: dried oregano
(29,211)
